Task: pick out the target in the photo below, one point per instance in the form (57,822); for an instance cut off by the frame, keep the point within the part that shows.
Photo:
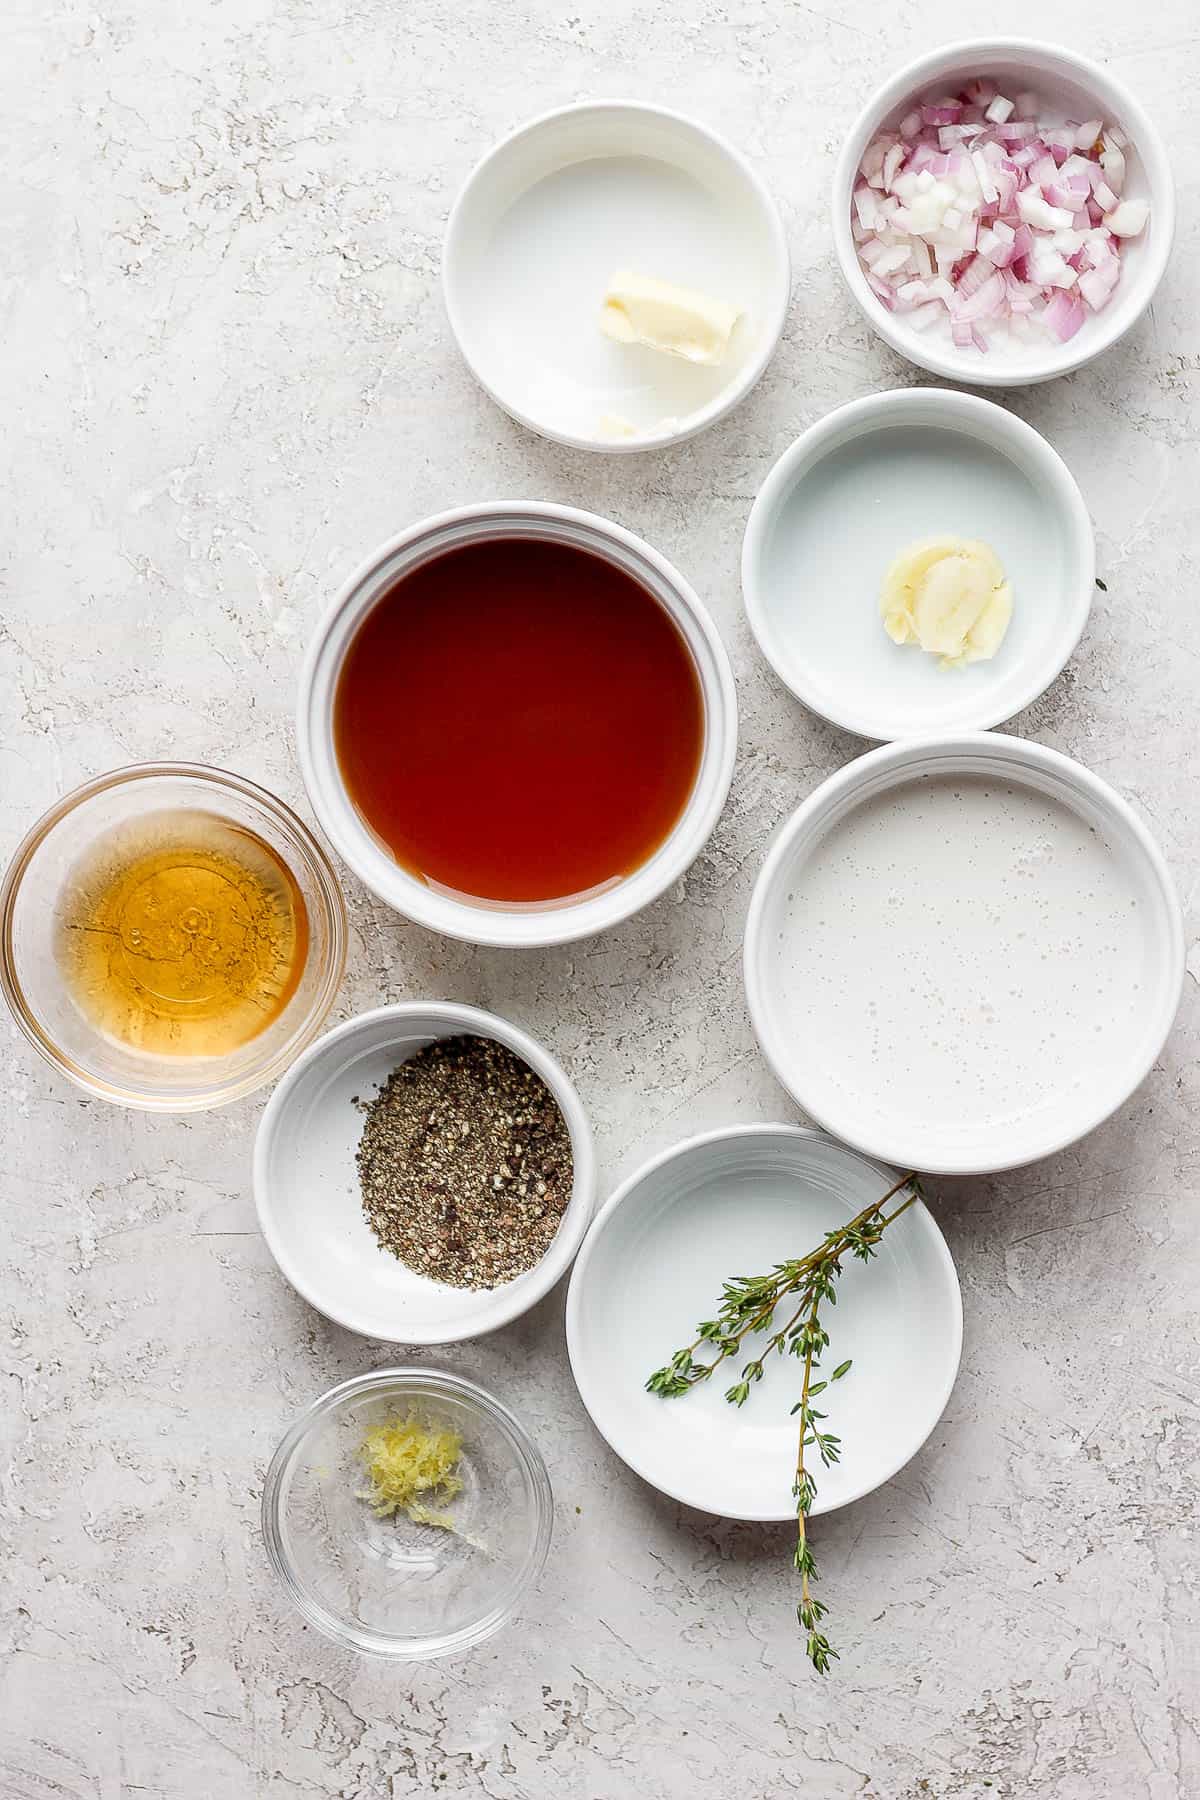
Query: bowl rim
(512,1299)
(701,1141)
(327,884)
(407,1377)
(779,289)
(820,438)
(966,747)
(1055,360)
(535,927)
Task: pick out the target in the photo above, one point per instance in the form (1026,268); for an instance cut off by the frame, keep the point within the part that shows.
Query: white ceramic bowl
(963,954)
(1073,87)
(735,1202)
(548,216)
(479,922)
(307,1192)
(854,490)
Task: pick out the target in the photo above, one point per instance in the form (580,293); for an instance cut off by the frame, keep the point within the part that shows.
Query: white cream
(965,948)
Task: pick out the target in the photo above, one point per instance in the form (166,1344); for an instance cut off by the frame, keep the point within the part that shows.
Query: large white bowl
(862,483)
(978,1009)
(548,216)
(478,922)
(1078,89)
(309,1202)
(735,1202)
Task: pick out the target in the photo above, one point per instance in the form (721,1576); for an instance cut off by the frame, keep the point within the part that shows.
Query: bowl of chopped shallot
(1003,211)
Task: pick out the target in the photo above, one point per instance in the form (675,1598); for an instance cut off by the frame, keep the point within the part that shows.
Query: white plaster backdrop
(226,375)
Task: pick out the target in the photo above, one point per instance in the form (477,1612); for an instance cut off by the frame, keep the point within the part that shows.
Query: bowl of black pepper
(424,1173)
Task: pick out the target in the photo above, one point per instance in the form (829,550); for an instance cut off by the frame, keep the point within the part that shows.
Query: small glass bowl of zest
(389,1585)
(171,937)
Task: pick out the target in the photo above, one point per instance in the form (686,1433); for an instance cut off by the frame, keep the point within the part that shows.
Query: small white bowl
(735,1202)
(479,922)
(849,495)
(548,216)
(963,954)
(1073,87)
(307,1192)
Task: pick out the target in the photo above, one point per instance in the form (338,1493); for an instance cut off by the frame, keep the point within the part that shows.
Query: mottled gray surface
(227,375)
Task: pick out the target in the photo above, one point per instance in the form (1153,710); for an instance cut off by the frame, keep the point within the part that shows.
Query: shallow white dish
(859,486)
(963,954)
(1071,87)
(732,1202)
(479,921)
(307,1193)
(548,216)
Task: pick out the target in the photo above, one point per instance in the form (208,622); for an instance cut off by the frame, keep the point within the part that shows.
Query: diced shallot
(985,176)
(1128,218)
(1112,161)
(1017,131)
(922,317)
(1096,285)
(1068,194)
(973,212)
(986,302)
(1063,316)
(1037,211)
(942,112)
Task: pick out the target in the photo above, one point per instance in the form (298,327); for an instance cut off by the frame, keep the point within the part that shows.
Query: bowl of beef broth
(517,724)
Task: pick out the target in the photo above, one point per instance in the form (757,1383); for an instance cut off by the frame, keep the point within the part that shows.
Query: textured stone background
(226,376)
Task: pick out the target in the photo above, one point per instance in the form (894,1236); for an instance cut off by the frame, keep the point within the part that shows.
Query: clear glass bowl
(32,979)
(389,1587)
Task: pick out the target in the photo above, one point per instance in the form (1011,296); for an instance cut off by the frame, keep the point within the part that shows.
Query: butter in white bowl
(680,321)
(532,243)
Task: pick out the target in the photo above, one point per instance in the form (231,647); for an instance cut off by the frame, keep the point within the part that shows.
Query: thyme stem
(748,1304)
(791,1275)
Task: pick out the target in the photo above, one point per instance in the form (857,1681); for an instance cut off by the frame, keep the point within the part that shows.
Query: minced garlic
(950,596)
(404,1461)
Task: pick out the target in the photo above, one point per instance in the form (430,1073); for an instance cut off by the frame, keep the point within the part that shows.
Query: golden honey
(182,935)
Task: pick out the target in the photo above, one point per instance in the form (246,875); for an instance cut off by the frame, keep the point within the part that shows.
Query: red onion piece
(1128,219)
(1016,131)
(1063,316)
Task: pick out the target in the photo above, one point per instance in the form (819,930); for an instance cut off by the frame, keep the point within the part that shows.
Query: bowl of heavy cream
(963,953)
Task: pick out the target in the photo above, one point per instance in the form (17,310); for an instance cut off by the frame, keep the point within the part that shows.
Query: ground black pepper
(465,1163)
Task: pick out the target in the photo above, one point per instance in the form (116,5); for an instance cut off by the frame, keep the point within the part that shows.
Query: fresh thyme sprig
(748,1305)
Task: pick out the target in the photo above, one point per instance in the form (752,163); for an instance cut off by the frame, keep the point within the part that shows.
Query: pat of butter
(638,309)
(948,595)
